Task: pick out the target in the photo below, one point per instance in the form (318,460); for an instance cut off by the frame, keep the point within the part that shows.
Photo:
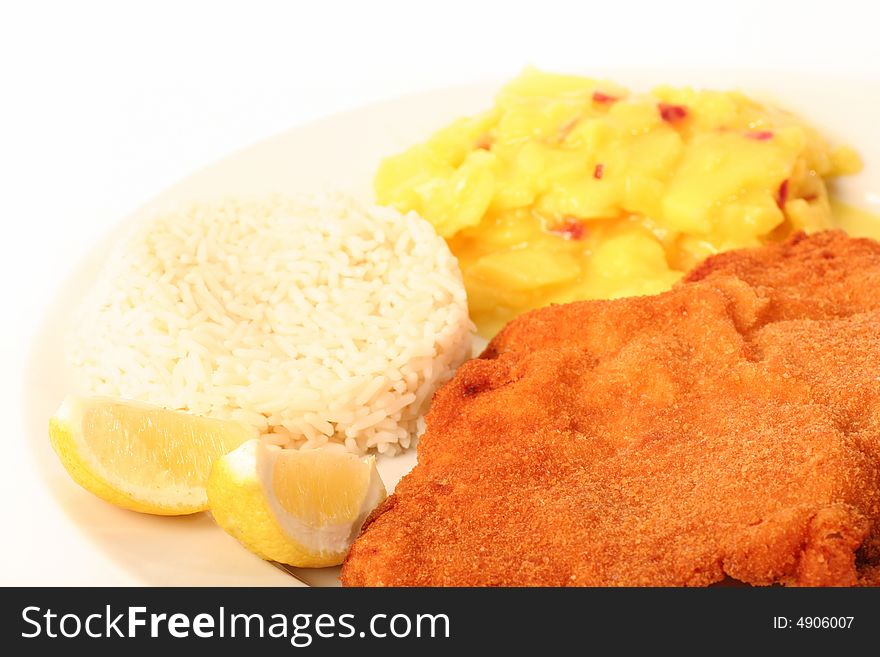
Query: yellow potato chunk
(573,188)
(525,269)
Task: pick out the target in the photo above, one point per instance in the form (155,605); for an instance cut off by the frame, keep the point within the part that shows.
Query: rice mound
(317,319)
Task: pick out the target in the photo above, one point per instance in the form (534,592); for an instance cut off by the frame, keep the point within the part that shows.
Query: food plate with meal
(632,317)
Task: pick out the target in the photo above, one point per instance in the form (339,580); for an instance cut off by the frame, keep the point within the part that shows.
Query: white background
(103,104)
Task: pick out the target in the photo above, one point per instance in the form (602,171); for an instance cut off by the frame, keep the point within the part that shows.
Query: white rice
(316,319)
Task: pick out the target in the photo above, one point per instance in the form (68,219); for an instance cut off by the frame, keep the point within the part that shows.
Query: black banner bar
(329,621)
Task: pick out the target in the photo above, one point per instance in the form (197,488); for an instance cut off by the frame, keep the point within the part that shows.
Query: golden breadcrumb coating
(729,427)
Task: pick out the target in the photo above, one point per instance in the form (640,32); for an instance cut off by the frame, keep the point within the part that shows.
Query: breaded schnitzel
(729,427)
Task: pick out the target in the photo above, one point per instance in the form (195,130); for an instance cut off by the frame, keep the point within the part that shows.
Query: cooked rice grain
(315,318)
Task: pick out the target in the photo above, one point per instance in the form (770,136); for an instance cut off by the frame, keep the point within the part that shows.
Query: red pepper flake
(599,171)
(599,97)
(672,113)
(760,135)
(782,194)
(484,141)
(570,229)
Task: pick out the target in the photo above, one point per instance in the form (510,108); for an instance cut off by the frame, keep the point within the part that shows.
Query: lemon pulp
(302,508)
(139,456)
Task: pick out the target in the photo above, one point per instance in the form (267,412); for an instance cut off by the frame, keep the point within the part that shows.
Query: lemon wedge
(139,456)
(299,507)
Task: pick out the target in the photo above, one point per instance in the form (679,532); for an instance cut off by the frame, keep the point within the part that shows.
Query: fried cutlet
(727,428)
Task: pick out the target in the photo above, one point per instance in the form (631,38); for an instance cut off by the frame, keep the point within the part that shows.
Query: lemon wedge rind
(246,503)
(117,483)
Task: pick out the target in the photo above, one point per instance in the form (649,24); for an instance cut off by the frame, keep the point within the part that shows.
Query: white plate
(342,152)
